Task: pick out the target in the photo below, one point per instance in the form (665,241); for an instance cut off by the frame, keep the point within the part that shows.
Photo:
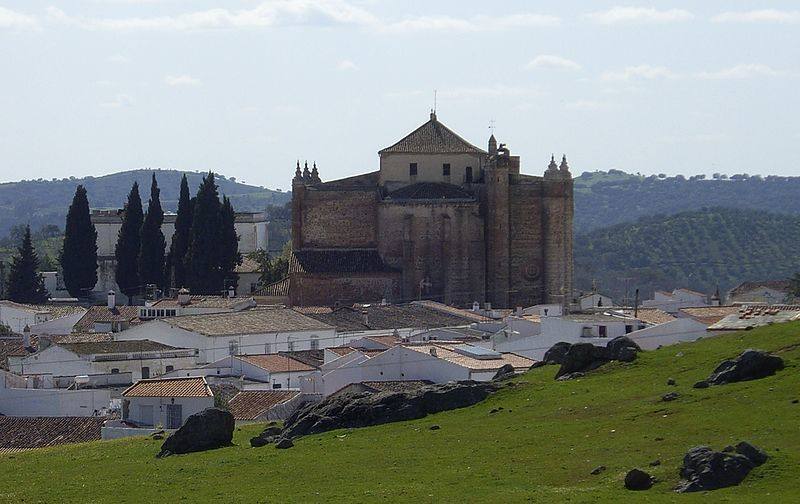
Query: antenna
(434,101)
(491,126)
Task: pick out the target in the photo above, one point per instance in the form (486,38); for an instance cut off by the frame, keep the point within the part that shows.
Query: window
(412,169)
(446,169)
(314,342)
(628,328)
(233,348)
(468,175)
(145,373)
(602,330)
(276,385)
(114,370)
(169,368)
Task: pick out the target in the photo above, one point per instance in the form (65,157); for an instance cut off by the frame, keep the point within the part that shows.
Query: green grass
(540,448)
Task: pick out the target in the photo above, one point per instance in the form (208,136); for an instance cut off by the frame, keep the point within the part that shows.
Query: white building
(249,332)
(669,333)
(251,227)
(187,304)
(264,405)
(766,292)
(18,398)
(165,402)
(272,371)
(40,319)
(671,302)
(142,359)
(594,300)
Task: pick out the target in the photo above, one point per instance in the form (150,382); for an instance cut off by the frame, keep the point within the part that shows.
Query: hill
(603,199)
(541,447)
(42,202)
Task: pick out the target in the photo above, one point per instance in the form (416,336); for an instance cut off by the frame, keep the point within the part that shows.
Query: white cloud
(552,62)
(633,15)
(16,20)
(346,65)
(181,80)
(758,16)
(743,71)
(119,101)
(118,58)
(494,91)
(586,105)
(473,24)
(646,72)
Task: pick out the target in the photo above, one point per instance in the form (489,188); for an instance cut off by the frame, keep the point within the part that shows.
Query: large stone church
(441,219)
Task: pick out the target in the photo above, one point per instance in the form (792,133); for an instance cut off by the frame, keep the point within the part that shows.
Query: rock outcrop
(582,357)
(267,436)
(209,429)
(749,365)
(636,479)
(362,410)
(705,469)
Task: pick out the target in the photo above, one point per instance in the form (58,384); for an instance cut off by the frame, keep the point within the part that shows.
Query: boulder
(434,427)
(705,469)
(284,443)
(636,479)
(582,357)
(597,470)
(670,396)
(363,409)
(555,355)
(209,429)
(504,373)
(749,365)
(622,349)
(267,436)
(671,381)
(701,384)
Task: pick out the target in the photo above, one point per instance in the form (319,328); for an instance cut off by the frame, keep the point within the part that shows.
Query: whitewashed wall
(190,406)
(52,402)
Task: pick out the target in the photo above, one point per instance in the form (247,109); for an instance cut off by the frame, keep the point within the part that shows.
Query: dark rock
(659,439)
(670,396)
(671,381)
(284,443)
(495,410)
(364,409)
(729,449)
(434,427)
(598,469)
(622,349)
(158,437)
(267,436)
(504,373)
(706,469)
(571,376)
(636,479)
(749,365)
(655,463)
(555,355)
(209,429)
(795,401)
(582,357)
(701,384)
(756,455)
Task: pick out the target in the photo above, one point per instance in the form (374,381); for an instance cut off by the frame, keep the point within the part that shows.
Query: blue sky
(247,87)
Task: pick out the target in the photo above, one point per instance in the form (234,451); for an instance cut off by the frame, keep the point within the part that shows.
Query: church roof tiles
(430,191)
(337,261)
(432,137)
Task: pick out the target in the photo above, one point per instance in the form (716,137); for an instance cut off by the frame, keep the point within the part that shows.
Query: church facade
(441,219)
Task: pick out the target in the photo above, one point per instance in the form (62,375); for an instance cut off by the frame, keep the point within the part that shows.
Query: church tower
(557,226)
(496,178)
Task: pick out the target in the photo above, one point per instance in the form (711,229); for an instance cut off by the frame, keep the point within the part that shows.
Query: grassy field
(540,448)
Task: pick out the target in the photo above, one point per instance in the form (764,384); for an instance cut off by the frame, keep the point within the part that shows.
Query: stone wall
(338,219)
(526,240)
(327,290)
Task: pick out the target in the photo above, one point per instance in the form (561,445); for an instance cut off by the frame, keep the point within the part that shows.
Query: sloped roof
(24,433)
(275,289)
(276,363)
(430,191)
(338,261)
(203,301)
(112,347)
(254,321)
(252,404)
(390,317)
(432,137)
(365,181)
(710,314)
(248,265)
(56,311)
(104,314)
(446,352)
(779,285)
(194,386)
(650,315)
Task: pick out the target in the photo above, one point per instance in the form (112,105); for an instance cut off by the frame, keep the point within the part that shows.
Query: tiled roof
(389,341)
(276,363)
(338,261)
(365,181)
(432,137)
(24,433)
(254,321)
(710,314)
(203,302)
(341,351)
(55,311)
(79,337)
(452,310)
(252,404)
(381,317)
(103,314)
(113,347)
(430,191)
(275,289)
(779,285)
(12,347)
(650,315)
(248,266)
(194,386)
(446,352)
(313,358)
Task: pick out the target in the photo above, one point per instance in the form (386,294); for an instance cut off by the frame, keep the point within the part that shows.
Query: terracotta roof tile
(432,137)
(430,191)
(194,386)
(104,314)
(22,433)
(204,302)
(253,321)
(338,261)
(710,314)
(252,404)
(113,347)
(446,352)
(276,363)
(384,317)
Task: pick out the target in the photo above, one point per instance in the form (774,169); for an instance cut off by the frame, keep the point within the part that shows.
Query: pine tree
(153,245)
(180,240)
(229,256)
(204,249)
(127,249)
(25,285)
(78,256)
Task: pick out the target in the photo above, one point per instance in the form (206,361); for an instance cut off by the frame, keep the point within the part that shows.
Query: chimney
(476,306)
(26,337)
(112,300)
(519,311)
(365,314)
(184,296)
(433,352)
(231,292)
(487,307)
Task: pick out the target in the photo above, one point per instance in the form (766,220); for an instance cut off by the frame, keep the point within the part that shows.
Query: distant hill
(698,249)
(41,202)
(603,199)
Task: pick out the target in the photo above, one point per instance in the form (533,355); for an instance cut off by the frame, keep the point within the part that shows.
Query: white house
(40,319)
(249,332)
(142,359)
(767,292)
(594,300)
(669,333)
(671,302)
(18,398)
(187,304)
(275,371)
(165,402)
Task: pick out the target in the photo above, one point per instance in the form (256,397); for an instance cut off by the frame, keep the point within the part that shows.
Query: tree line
(202,256)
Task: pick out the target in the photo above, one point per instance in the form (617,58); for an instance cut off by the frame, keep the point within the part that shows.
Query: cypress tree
(229,256)
(25,285)
(153,245)
(78,255)
(180,240)
(204,250)
(127,249)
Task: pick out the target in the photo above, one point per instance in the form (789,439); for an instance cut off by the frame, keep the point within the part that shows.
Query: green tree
(25,285)
(128,242)
(181,238)
(153,245)
(229,256)
(78,255)
(205,248)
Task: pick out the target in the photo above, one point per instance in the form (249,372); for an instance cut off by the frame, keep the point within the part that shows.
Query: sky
(246,88)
